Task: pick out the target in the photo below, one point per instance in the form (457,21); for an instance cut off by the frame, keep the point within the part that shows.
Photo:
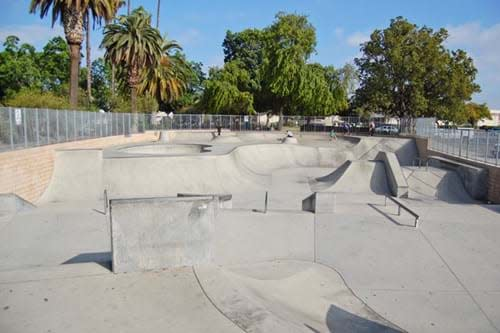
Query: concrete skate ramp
(354,177)
(77,176)
(288,296)
(436,183)
(163,149)
(247,167)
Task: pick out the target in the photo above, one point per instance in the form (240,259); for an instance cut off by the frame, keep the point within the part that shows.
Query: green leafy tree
(290,41)
(134,44)
(406,71)
(167,81)
(71,14)
(101,82)
(247,47)
(475,112)
(54,62)
(18,67)
(195,78)
(226,90)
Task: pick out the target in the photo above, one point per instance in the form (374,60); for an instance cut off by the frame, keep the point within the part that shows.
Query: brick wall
(27,172)
(493,171)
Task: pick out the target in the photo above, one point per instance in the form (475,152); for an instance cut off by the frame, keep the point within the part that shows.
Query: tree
(247,47)
(167,81)
(406,71)
(54,64)
(101,80)
(290,41)
(133,43)
(18,67)
(226,90)
(475,112)
(71,14)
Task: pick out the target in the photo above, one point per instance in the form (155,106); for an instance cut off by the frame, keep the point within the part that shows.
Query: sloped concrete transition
(194,247)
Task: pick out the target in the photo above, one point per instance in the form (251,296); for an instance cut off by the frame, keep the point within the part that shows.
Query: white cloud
(339,32)
(36,34)
(214,61)
(189,37)
(483,45)
(357,38)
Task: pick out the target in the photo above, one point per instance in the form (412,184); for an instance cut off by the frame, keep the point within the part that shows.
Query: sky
(200,26)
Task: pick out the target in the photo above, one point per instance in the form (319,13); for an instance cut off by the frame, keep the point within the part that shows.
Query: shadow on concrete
(339,320)
(389,217)
(101,258)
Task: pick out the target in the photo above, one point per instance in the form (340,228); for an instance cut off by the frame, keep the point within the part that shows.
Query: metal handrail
(400,205)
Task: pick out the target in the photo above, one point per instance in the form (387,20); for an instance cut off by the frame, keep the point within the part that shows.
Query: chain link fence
(24,128)
(477,145)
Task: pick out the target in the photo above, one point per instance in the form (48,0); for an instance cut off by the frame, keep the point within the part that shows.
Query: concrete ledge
(225,200)
(319,202)
(395,177)
(157,233)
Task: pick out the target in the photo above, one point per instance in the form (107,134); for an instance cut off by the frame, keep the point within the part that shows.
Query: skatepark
(251,232)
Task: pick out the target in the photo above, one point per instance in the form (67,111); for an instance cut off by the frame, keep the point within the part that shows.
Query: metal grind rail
(401,205)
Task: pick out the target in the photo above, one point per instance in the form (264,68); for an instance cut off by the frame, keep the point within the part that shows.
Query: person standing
(371,129)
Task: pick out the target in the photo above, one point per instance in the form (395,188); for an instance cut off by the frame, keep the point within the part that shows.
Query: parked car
(387,129)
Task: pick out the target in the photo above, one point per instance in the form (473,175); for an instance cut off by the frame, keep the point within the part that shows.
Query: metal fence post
(74,124)
(57,125)
(66,121)
(82,124)
(497,148)
(25,128)
(460,146)
(468,144)
(487,145)
(11,130)
(37,128)
(47,117)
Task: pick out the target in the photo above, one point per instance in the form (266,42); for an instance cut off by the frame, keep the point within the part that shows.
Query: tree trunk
(128,7)
(89,61)
(158,15)
(73,29)
(113,80)
(133,81)
(74,71)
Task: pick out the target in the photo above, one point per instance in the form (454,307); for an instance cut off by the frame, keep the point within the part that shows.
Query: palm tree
(97,21)
(134,44)
(71,14)
(167,81)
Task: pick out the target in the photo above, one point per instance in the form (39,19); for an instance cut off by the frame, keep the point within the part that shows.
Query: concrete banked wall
(245,168)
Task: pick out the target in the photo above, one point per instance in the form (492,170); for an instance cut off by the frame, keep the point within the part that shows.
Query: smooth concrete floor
(441,277)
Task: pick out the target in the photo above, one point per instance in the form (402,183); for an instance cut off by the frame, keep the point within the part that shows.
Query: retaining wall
(27,172)
(493,171)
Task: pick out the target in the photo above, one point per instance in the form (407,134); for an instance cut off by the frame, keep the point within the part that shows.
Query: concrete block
(225,200)
(395,177)
(319,202)
(155,233)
